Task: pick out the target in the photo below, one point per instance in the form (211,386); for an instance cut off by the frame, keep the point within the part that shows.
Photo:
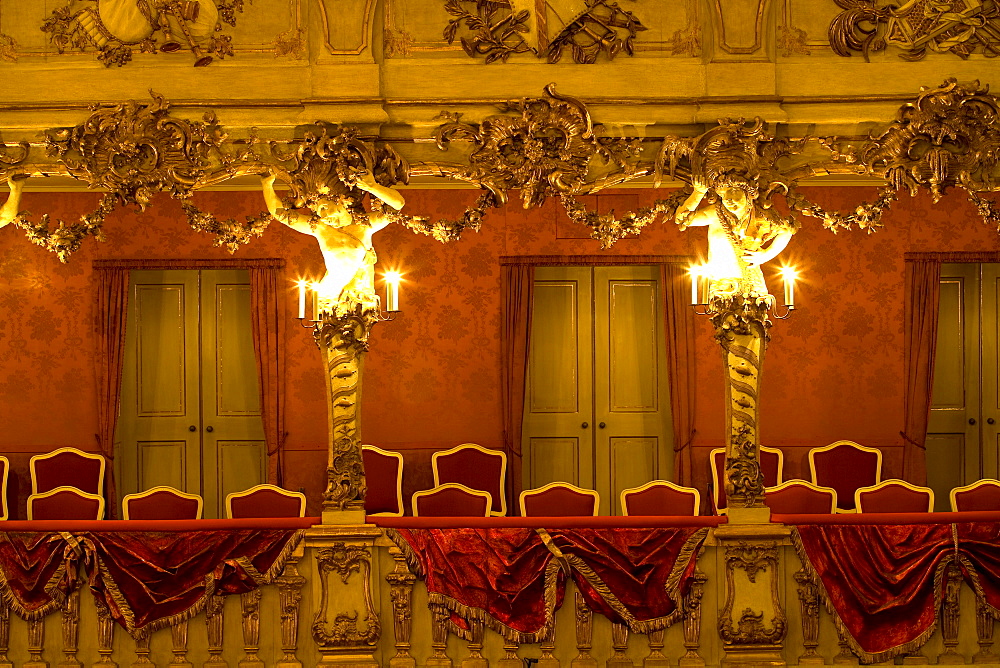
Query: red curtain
(112,304)
(267,315)
(679,339)
(517,295)
(923,286)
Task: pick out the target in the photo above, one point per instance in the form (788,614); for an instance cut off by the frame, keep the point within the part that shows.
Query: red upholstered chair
(384,475)
(162,503)
(475,467)
(894,496)
(559,499)
(660,497)
(800,497)
(451,500)
(982,495)
(67,467)
(265,501)
(847,467)
(772,464)
(65,503)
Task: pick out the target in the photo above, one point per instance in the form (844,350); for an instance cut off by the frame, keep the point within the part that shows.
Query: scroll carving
(118,29)
(750,627)
(809,604)
(343,633)
(215,623)
(401,594)
(250,606)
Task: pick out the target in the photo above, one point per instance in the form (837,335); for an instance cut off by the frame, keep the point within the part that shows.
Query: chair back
(67,467)
(475,467)
(65,503)
(265,501)
(846,467)
(795,497)
(451,500)
(660,497)
(559,499)
(162,503)
(384,476)
(982,495)
(894,496)
(772,465)
(4,474)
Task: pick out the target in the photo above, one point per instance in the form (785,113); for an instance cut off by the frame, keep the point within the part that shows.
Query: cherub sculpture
(9,211)
(344,231)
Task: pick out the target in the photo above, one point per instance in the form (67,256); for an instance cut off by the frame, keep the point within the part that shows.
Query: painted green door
(190,413)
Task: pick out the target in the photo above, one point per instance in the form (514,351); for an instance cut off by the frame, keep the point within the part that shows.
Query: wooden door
(597,410)
(190,415)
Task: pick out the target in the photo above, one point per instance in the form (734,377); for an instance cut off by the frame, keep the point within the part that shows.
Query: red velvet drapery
(518,290)
(923,286)
(267,315)
(112,306)
(681,357)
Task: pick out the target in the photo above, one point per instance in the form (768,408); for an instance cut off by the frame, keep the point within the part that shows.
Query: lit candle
(788,274)
(391,291)
(315,298)
(694,272)
(302,300)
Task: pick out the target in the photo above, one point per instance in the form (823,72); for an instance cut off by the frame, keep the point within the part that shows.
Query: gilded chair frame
(837,444)
(716,478)
(48,455)
(162,488)
(399,479)
(492,453)
(67,488)
(3,488)
(450,485)
(795,482)
(984,482)
(660,483)
(564,485)
(274,488)
(894,482)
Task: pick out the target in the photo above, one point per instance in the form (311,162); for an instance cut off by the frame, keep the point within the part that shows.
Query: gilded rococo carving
(754,559)
(116,29)
(344,560)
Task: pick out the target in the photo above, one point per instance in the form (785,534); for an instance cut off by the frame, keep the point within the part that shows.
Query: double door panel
(963,434)
(597,408)
(190,407)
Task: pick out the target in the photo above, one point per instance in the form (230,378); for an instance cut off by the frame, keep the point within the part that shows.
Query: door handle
(602,425)
(209,428)
(990,420)
(585,425)
(192,428)
(972,420)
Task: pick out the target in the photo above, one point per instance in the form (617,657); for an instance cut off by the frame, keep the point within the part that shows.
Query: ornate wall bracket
(345,602)
(752,623)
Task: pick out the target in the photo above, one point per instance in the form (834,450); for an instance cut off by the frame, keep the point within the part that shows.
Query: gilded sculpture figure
(743,234)
(344,232)
(9,210)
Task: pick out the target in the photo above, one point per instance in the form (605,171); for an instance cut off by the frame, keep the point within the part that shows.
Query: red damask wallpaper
(834,370)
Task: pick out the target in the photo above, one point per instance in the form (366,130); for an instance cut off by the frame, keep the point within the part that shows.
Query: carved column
(439,638)
(71,630)
(619,645)
(949,615)
(401,593)
(36,643)
(984,631)
(179,638)
(692,620)
(656,658)
(290,584)
(741,324)
(584,635)
(141,650)
(547,646)
(105,636)
(346,628)
(5,662)
(510,658)
(752,622)
(250,605)
(344,342)
(845,656)
(214,623)
(809,606)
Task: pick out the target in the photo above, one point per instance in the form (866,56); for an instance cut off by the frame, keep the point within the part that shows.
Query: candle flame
(789,273)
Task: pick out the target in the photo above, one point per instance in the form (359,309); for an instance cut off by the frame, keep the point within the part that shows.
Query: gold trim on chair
(54,453)
(807,485)
(660,483)
(492,453)
(72,490)
(158,489)
(837,444)
(450,485)
(399,478)
(274,488)
(894,482)
(984,482)
(563,485)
